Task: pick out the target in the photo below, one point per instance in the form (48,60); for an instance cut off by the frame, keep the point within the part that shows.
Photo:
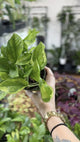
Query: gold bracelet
(52,114)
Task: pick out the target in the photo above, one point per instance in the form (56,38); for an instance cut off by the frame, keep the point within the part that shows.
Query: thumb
(35,97)
(29,93)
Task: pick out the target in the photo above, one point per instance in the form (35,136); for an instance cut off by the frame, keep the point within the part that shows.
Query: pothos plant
(19,64)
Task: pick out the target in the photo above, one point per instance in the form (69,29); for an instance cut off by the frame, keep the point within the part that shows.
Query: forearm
(61,133)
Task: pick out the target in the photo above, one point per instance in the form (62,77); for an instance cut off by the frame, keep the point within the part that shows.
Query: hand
(36,98)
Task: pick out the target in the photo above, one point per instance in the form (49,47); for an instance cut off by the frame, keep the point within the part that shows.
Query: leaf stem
(33,85)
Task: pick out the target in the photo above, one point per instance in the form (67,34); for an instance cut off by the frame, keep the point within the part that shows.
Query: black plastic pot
(3,139)
(40,39)
(36,88)
(20,24)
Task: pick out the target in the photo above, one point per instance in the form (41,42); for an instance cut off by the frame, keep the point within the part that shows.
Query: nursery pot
(78,68)
(40,38)
(62,61)
(36,88)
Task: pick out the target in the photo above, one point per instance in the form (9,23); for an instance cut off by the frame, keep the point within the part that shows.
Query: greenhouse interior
(39,70)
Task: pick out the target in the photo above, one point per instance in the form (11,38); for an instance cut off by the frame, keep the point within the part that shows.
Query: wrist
(47,111)
(53,118)
(53,121)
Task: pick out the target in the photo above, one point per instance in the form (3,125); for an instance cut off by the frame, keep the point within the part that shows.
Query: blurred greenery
(53,55)
(70,35)
(15,127)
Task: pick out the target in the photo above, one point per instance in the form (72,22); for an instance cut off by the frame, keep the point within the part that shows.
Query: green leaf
(48,138)
(41,131)
(6,119)
(1,133)
(31,50)
(33,138)
(46,91)
(11,2)
(40,56)
(25,49)
(13,85)
(35,122)
(2,129)
(2,94)
(30,39)
(77,129)
(28,69)
(35,74)
(21,71)
(17,1)
(10,126)
(24,130)
(17,119)
(38,117)
(9,138)
(26,138)
(14,137)
(38,134)
(3,51)
(24,59)
(13,72)
(3,65)
(14,48)
(3,75)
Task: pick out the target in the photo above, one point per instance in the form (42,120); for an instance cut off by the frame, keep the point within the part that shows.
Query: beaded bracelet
(52,114)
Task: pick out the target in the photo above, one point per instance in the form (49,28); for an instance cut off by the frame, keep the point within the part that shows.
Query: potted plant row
(16,19)
(70,38)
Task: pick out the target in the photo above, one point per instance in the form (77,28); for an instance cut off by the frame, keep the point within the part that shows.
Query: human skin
(61,133)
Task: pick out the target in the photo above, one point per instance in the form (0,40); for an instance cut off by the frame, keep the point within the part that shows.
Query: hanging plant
(35,22)
(62,16)
(45,20)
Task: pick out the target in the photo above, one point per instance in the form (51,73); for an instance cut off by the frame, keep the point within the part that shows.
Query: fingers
(48,70)
(50,79)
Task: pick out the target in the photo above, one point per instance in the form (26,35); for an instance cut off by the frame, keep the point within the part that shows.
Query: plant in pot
(22,66)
